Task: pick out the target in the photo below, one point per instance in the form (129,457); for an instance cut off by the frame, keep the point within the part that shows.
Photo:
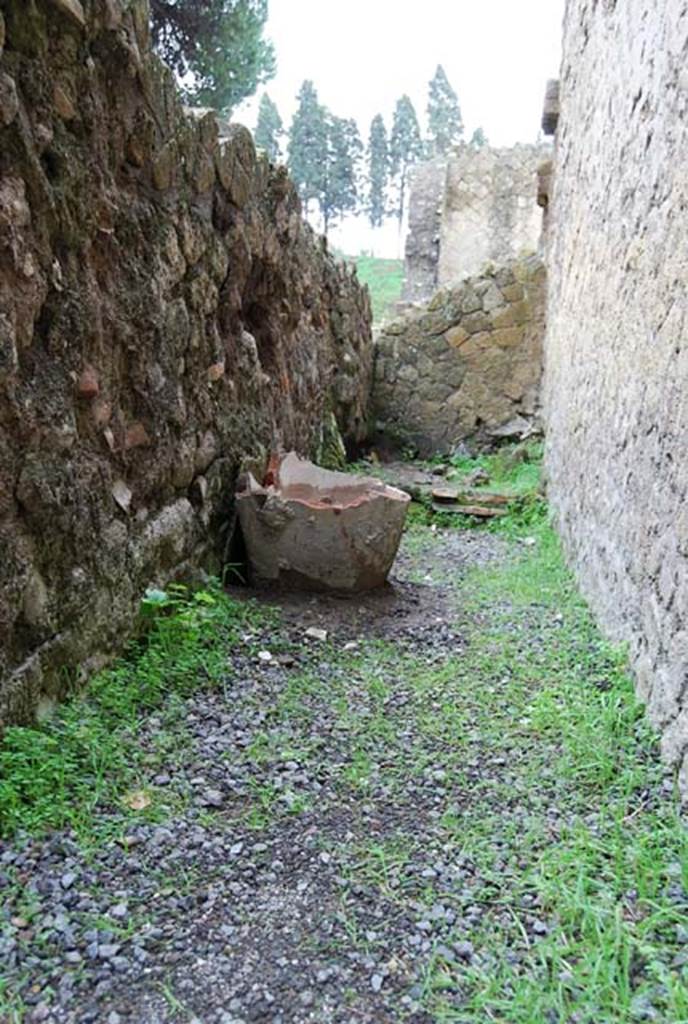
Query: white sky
(363,55)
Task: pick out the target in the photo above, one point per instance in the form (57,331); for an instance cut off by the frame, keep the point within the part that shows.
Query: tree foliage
(445,124)
(308,144)
(215,47)
(478,139)
(405,149)
(377,168)
(269,129)
(339,190)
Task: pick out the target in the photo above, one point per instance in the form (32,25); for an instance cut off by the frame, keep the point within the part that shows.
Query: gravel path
(310,868)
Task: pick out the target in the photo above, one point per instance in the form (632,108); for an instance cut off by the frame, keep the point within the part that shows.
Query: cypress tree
(377,160)
(478,139)
(307,148)
(339,193)
(405,149)
(269,128)
(445,124)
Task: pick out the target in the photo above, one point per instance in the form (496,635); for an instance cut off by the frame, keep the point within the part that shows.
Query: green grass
(88,758)
(514,469)
(549,775)
(384,279)
(563,709)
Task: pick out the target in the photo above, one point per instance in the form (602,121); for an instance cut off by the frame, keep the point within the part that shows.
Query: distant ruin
(465,367)
(472,208)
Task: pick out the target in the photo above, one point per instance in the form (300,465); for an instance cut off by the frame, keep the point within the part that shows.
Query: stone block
(456,336)
(476,323)
(9,101)
(71,9)
(165,166)
(515,314)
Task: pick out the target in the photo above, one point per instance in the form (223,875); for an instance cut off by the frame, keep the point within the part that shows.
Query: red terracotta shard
(314,529)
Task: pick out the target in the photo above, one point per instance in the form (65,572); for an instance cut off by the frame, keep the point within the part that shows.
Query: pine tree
(445,124)
(308,145)
(405,149)
(478,139)
(269,128)
(339,193)
(215,48)
(377,160)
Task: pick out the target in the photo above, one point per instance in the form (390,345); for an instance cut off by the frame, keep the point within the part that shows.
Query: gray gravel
(203,918)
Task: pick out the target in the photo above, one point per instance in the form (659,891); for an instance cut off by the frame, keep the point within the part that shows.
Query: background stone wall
(616,378)
(475,207)
(422,247)
(466,366)
(489,210)
(164,314)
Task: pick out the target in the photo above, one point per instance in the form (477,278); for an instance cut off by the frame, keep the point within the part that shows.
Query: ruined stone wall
(422,249)
(466,366)
(489,210)
(164,314)
(616,378)
(475,207)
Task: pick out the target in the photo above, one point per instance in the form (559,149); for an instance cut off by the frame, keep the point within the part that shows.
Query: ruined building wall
(422,248)
(475,207)
(616,366)
(164,314)
(466,366)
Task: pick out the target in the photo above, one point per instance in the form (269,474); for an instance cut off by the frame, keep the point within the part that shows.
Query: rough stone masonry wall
(422,248)
(616,378)
(164,313)
(467,366)
(475,207)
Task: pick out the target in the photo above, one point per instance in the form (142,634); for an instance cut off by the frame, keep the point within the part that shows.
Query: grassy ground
(548,832)
(384,279)
(89,756)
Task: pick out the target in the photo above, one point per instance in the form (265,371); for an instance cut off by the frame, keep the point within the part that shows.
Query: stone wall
(164,314)
(475,207)
(422,248)
(467,366)
(616,379)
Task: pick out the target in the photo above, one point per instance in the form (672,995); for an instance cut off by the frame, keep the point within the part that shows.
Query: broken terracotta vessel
(317,530)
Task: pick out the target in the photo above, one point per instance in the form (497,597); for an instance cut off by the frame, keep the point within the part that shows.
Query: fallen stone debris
(469,503)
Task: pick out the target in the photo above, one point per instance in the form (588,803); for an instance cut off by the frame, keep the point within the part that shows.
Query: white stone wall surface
(489,211)
(616,362)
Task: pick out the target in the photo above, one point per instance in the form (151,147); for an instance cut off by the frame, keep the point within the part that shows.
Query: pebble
(212,798)
(107,951)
